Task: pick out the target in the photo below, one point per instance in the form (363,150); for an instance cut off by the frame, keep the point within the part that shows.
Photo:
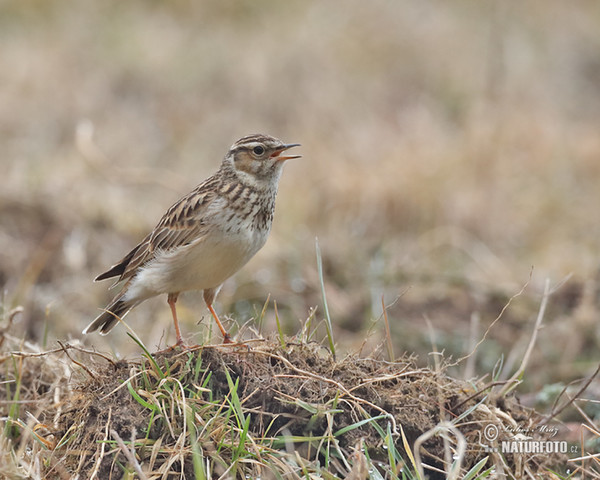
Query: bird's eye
(259,150)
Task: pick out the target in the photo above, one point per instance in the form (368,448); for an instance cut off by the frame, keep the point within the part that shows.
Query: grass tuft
(265,411)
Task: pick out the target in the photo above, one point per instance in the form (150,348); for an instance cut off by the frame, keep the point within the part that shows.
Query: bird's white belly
(203,264)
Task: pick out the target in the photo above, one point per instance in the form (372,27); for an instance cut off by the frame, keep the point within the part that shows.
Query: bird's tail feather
(112,314)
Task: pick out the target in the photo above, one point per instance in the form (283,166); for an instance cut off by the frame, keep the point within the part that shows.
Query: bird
(205,237)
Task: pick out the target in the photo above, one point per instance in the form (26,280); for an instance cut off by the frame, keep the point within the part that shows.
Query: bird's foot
(180,344)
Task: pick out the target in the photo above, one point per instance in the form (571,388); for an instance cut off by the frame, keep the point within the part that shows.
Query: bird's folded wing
(183,224)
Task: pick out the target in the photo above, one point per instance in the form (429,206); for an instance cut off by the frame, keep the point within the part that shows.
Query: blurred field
(448,148)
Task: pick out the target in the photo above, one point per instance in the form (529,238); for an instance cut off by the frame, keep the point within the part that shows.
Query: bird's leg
(209,296)
(226,336)
(171,300)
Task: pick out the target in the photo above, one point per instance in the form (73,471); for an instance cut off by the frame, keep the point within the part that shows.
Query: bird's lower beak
(277,153)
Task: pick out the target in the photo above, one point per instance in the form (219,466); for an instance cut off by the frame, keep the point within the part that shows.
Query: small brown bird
(205,237)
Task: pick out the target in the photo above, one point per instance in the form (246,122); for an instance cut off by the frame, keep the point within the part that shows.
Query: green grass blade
(235,399)
(147,354)
(474,472)
(243,436)
(497,370)
(279,329)
(11,430)
(198,369)
(358,425)
(391,450)
(373,472)
(261,317)
(139,399)
(325,306)
(197,457)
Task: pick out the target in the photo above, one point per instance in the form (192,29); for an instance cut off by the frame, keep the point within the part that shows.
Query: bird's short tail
(104,322)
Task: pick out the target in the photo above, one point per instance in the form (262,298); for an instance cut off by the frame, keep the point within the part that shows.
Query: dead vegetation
(257,410)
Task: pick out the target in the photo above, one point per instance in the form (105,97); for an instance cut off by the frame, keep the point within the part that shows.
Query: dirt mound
(250,411)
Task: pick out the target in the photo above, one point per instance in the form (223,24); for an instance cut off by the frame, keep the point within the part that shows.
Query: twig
(477,393)
(585,416)
(385,378)
(11,319)
(518,294)
(556,412)
(62,349)
(93,352)
(330,381)
(563,391)
(87,370)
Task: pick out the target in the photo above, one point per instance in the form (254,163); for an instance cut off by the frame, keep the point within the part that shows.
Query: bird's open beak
(277,153)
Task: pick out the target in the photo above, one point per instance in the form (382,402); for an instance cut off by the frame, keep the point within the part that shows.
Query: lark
(205,237)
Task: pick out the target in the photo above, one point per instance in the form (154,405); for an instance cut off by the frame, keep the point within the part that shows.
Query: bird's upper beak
(277,153)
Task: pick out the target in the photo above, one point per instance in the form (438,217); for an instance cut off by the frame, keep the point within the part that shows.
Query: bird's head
(258,159)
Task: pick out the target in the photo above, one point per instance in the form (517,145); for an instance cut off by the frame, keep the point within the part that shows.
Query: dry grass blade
(129,454)
(510,384)
(461,446)
(215,412)
(496,320)
(388,334)
(556,410)
(100,455)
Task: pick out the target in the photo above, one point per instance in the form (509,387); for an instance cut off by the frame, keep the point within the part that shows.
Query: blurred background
(451,155)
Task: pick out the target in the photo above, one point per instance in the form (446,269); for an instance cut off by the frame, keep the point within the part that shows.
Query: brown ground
(76,408)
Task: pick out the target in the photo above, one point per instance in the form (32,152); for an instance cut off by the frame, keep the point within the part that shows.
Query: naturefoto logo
(522,440)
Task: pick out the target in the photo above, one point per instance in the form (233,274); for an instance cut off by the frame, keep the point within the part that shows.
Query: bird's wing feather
(182,224)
